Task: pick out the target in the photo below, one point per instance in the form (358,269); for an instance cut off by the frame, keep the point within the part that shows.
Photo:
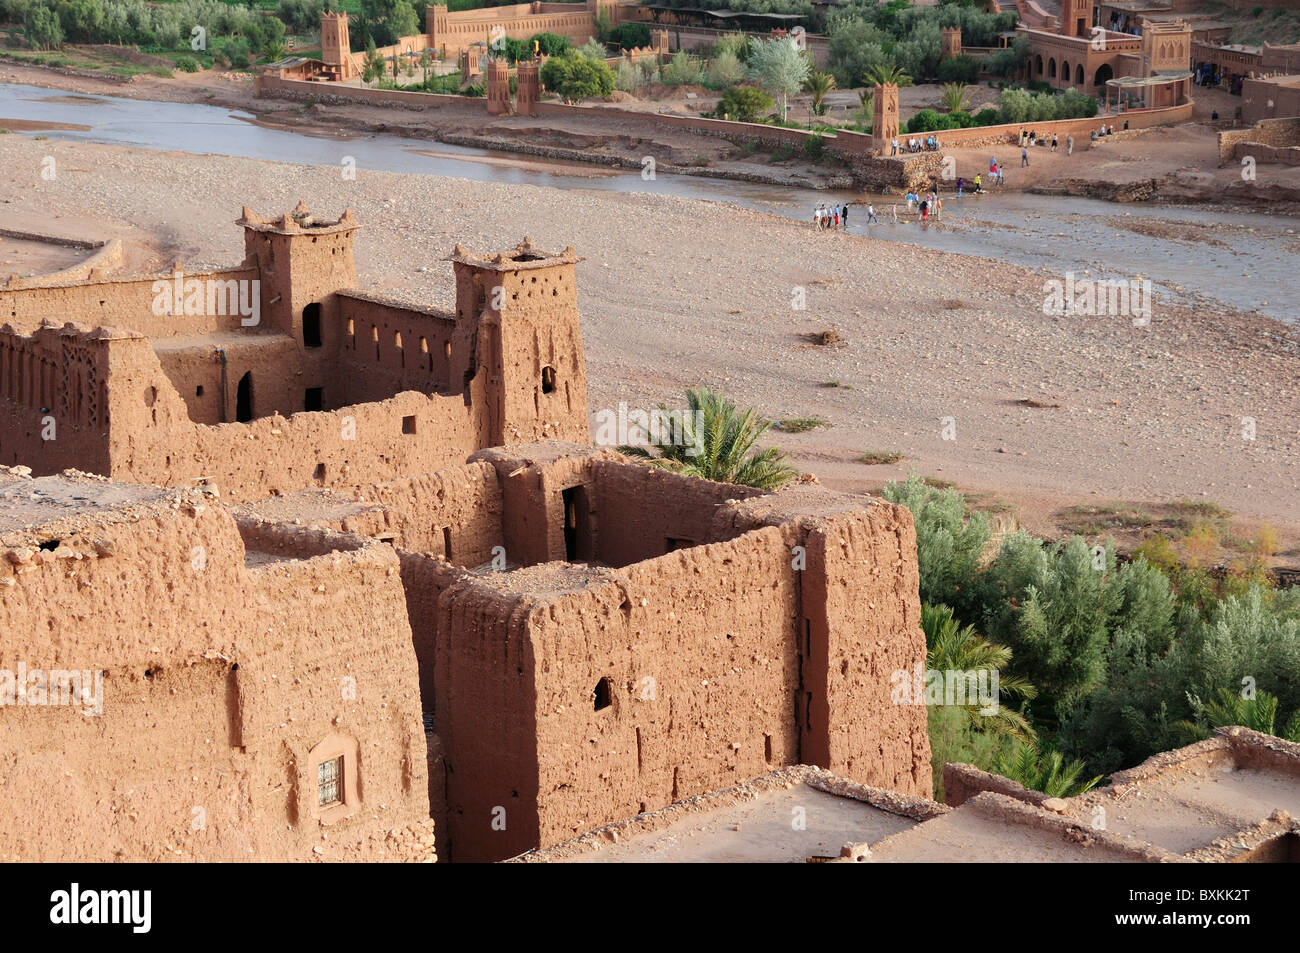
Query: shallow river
(1245,260)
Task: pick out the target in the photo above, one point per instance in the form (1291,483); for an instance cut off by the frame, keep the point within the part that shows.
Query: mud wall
(455,513)
(698,648)
(54,404)
(129,305)
(388,348)
(212,710)
(645,512)
(486,717)
(862,618)
(1274,134)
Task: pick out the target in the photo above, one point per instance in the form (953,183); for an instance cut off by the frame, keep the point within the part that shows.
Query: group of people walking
(837,216)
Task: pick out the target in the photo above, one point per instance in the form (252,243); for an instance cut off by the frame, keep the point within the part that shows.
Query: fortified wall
(279,374)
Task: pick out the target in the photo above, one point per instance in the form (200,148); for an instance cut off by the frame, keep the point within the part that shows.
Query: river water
(1198,256)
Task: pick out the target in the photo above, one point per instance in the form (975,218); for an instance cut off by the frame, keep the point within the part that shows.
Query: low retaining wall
(1267,135)
(1282,155)
(107,255)
(340,94)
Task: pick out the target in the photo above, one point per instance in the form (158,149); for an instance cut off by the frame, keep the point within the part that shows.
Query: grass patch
(1177,520)
(880,457)
(799,424)
(828,338)
(1031,402)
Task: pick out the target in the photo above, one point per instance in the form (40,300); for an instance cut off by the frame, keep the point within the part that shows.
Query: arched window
(1051,68)
(311,325)
(1038,65)
(244,398)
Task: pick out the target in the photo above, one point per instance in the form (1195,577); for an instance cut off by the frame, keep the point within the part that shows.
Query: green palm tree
(885,74)
(1229,708)
(955,96)
(954,649)
(1043,770)
(718,443)
(819,84)
(273,51)
(866,105)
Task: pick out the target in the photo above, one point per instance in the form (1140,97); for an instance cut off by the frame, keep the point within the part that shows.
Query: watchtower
(884,123)
(517,325)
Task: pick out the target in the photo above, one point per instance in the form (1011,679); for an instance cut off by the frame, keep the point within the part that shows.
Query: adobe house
(598,638)
(278,374)
(238,697)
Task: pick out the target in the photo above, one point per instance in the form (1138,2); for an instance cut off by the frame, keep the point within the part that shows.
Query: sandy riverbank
(672,297)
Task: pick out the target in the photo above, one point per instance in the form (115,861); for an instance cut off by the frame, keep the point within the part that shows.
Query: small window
(603,694)
(198,391)
(408,424)
(313,399)
(548,380)
(311,325)
(329,782)
(319,474)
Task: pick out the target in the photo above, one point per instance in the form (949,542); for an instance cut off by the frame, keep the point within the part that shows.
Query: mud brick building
(598,638)
(278,374)
(258,697)
(351,568)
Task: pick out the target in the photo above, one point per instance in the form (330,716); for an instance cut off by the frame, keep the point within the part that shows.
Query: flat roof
(796,815)
(35,509)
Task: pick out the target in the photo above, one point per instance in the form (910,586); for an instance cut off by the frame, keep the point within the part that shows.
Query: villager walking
(871,214)
(1069,145)
(1024,158)
(961,183)
(1053,142)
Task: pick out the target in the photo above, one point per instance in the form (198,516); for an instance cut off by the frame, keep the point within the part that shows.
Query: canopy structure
(722,19)
(1141,87)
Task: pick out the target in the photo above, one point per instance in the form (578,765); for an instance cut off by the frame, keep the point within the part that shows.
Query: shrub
(576,77)
(550,44)
(959,69)
(187,64)
(986,117)
(725,70)
(593,49)
(744,104)
(630,36)
(682,70)
(949,541)
(814,146)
